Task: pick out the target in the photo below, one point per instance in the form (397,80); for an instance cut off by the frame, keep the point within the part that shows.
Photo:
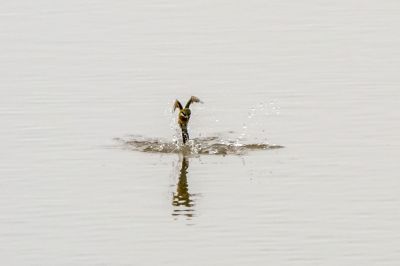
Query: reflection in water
(182,200)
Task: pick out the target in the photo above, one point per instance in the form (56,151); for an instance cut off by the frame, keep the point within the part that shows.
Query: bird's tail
(185,135)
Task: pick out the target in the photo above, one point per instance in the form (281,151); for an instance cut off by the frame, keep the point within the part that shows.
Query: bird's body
(184,116)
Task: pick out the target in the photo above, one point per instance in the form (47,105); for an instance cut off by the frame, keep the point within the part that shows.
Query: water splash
(235,144)
(255,123)
(212,145)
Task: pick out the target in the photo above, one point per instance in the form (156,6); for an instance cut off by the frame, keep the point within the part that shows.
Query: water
(319,79)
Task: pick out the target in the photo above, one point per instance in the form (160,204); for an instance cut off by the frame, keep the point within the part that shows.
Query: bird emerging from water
(184,116)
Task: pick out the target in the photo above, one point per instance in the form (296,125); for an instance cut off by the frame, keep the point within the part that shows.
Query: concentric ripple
(207,145)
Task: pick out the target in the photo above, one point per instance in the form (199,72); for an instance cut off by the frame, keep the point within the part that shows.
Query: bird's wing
(193,99)
(178,105)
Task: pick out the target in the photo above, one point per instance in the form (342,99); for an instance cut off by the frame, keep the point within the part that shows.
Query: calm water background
(320,78)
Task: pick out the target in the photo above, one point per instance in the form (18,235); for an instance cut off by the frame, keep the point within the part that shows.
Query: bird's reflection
(182,200)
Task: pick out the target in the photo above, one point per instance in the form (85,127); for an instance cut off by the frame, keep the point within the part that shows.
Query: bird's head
(185,114)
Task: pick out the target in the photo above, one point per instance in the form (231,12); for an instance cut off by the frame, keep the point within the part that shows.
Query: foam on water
(212,145)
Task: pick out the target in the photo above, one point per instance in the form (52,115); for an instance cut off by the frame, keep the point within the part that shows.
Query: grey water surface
(91,169)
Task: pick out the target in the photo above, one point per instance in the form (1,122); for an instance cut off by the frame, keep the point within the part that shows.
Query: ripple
(207,145)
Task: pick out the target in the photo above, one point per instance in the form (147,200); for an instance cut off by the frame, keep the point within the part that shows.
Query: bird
(184,116)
